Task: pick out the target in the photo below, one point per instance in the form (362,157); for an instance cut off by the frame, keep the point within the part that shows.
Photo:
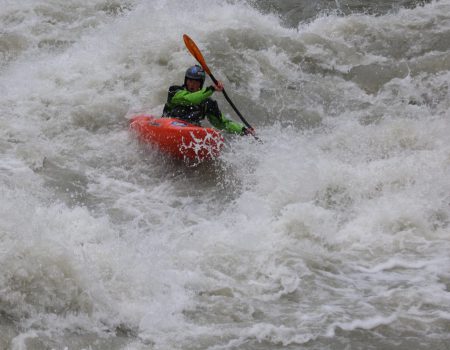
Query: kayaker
(191,102)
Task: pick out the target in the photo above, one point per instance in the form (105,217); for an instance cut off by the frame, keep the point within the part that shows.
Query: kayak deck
(178,138)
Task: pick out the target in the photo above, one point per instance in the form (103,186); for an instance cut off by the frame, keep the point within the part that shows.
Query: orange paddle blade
(195,51)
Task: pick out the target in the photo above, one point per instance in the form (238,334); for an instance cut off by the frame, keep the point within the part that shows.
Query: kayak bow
(178,138)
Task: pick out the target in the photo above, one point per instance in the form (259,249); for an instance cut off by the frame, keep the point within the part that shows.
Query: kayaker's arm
(184,97)
(226,124)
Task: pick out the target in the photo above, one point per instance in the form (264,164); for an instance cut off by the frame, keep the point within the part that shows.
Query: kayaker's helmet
(195,73)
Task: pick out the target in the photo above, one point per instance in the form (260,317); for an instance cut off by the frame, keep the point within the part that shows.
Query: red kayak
(178,138)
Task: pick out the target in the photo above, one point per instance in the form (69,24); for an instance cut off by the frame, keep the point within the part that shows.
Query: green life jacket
(195,106)
(186,105)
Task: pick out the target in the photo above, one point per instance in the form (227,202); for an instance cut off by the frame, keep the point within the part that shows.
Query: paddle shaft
(231,102)
(195,51)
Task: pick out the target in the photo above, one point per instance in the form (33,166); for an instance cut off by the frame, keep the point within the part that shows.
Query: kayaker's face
(193,85)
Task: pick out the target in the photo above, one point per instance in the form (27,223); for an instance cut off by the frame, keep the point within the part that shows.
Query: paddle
(195,51)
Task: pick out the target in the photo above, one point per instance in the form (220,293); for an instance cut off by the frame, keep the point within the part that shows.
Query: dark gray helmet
(195,73)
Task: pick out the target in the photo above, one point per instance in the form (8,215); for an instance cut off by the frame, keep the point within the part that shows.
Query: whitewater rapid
(332,233)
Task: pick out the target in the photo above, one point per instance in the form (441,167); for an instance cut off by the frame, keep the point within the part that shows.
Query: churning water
(334,233)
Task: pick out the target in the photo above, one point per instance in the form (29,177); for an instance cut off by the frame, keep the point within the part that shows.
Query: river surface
(331,233)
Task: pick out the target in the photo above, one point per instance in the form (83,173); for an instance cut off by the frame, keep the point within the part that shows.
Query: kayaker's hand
(219,86)
(248,131)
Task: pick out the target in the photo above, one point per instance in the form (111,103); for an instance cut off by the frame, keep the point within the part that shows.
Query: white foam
(337,220)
